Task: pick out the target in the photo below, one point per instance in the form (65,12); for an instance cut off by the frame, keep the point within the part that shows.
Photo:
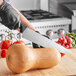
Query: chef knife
(42,41)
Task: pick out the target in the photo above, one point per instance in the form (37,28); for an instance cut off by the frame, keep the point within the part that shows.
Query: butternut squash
(21,58)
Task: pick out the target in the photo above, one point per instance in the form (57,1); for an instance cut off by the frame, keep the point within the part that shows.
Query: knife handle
(22,27)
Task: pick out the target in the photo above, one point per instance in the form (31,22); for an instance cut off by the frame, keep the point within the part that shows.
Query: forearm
(25,21)
(1,1)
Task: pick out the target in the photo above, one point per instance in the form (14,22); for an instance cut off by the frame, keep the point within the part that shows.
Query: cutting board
(67,67)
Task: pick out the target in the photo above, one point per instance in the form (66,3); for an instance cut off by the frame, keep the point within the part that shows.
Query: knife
(42,41)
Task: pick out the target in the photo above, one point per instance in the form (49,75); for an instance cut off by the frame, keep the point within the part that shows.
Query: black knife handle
(22,27)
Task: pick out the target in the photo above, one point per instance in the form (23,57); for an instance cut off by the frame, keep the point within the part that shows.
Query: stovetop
(38,14)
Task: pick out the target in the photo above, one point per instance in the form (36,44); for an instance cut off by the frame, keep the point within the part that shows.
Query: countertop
(67,67)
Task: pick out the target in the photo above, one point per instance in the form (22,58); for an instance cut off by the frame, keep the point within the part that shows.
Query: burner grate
(38,14)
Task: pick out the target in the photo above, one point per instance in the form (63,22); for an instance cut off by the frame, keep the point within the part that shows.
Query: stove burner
(38,14)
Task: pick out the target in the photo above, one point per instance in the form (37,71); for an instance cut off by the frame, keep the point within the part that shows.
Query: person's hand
(9,16)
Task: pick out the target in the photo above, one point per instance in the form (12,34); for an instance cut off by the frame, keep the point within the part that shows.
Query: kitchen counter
(67,67)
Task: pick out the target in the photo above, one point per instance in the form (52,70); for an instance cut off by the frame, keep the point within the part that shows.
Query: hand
(9,16)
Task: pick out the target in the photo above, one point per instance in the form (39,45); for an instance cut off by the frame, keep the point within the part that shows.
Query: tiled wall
(57,8)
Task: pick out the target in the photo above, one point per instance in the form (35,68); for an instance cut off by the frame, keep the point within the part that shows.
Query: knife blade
(43,41)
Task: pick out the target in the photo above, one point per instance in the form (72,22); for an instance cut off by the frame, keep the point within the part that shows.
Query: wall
(57,8)
(26,4)
(44,4)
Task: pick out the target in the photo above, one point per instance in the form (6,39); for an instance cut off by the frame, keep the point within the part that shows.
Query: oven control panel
(54,32)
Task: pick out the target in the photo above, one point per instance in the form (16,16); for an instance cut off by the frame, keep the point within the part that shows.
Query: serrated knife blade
(43,41)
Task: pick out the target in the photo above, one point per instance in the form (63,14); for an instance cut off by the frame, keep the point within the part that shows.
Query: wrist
(1,2)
